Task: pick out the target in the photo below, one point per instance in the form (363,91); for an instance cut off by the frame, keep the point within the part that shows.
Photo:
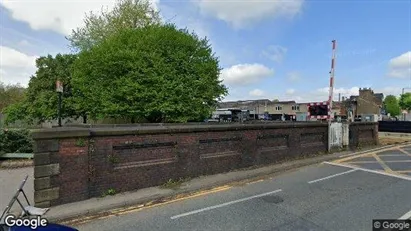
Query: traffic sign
(59,86)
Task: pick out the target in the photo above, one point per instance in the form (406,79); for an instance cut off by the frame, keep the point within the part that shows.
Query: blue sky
(268,49)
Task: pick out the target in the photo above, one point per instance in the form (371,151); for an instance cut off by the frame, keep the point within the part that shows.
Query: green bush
(15,141)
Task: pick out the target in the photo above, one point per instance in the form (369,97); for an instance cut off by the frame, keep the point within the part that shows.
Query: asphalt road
(318,197)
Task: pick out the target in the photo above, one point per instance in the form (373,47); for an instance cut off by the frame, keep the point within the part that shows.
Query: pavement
(332,195)
(10,180)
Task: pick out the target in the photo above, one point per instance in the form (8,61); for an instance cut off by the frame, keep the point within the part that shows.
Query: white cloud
(242,74)
(317,95)
(59,15)
(293,76)
(341,90)
(10,57)
(16,67)
(256,92)
(242,13)
(290,91)
(400,66)
(275,53)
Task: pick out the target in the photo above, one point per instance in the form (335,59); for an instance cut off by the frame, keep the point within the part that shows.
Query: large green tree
(391,105)
(157,73)
(126,14)
(405,101)
(10,94)
(41,99)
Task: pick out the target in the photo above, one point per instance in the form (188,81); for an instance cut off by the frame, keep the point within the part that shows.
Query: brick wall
(367,103)
(363,134)
(73,164)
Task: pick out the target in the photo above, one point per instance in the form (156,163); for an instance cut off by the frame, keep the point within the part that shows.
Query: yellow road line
(353,157)
(116,212)
(403,151)
(397,161)
(176,200)
(407,171)
(375,162)
(399,154)
(362,162)
(255,181)
(386,168)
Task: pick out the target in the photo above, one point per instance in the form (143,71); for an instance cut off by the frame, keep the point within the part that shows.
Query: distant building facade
(365,103)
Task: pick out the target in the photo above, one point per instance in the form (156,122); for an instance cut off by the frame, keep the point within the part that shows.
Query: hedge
(15,141)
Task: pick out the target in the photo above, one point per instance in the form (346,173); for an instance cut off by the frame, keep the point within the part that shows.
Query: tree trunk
(84,119)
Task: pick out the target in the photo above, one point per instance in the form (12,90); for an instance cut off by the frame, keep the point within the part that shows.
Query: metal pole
(59,109)
(330,96)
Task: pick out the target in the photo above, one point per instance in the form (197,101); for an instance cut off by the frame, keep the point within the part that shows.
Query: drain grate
(273,199)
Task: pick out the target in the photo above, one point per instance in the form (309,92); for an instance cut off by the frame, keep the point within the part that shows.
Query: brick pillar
(52,171)
(46,166)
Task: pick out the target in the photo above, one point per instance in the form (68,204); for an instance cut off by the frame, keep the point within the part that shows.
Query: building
(261,106)
(276,109)
(365,103)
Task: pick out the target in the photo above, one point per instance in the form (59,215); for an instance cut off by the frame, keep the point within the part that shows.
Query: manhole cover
(273,199)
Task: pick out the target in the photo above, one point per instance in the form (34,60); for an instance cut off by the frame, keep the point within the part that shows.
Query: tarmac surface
(346,194)
(396,160)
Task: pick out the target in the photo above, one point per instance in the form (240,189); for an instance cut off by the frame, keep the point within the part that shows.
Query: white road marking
(406,216)
(371,150)
(328,177)
(369,170)
(224,204)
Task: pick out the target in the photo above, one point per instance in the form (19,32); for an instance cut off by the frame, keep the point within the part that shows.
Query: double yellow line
(151,204)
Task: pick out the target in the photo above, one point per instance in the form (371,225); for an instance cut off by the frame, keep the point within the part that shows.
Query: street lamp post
(59,90)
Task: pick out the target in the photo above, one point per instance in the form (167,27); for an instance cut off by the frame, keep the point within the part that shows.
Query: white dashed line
(328,177)
(224,204)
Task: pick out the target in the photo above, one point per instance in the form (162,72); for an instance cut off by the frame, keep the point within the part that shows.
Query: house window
(295,107)
(278,108)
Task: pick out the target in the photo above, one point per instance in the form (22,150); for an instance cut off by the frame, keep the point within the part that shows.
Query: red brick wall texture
(79,163)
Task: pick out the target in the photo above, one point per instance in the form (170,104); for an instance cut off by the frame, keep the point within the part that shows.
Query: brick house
(365,103)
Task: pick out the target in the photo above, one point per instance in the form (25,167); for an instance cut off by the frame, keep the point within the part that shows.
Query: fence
(394,126)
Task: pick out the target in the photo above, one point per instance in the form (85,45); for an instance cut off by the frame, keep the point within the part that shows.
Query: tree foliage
(10,94)
(158,73)
(15,141)
(41,99)
(126,14)
(391,105)
(405,101)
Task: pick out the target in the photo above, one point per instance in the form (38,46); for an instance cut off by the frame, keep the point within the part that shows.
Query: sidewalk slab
(94,206)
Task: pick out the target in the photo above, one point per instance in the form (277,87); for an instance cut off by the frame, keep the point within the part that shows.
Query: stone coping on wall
(179,124)
(73,132)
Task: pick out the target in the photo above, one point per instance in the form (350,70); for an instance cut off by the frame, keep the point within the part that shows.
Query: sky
(268,49)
